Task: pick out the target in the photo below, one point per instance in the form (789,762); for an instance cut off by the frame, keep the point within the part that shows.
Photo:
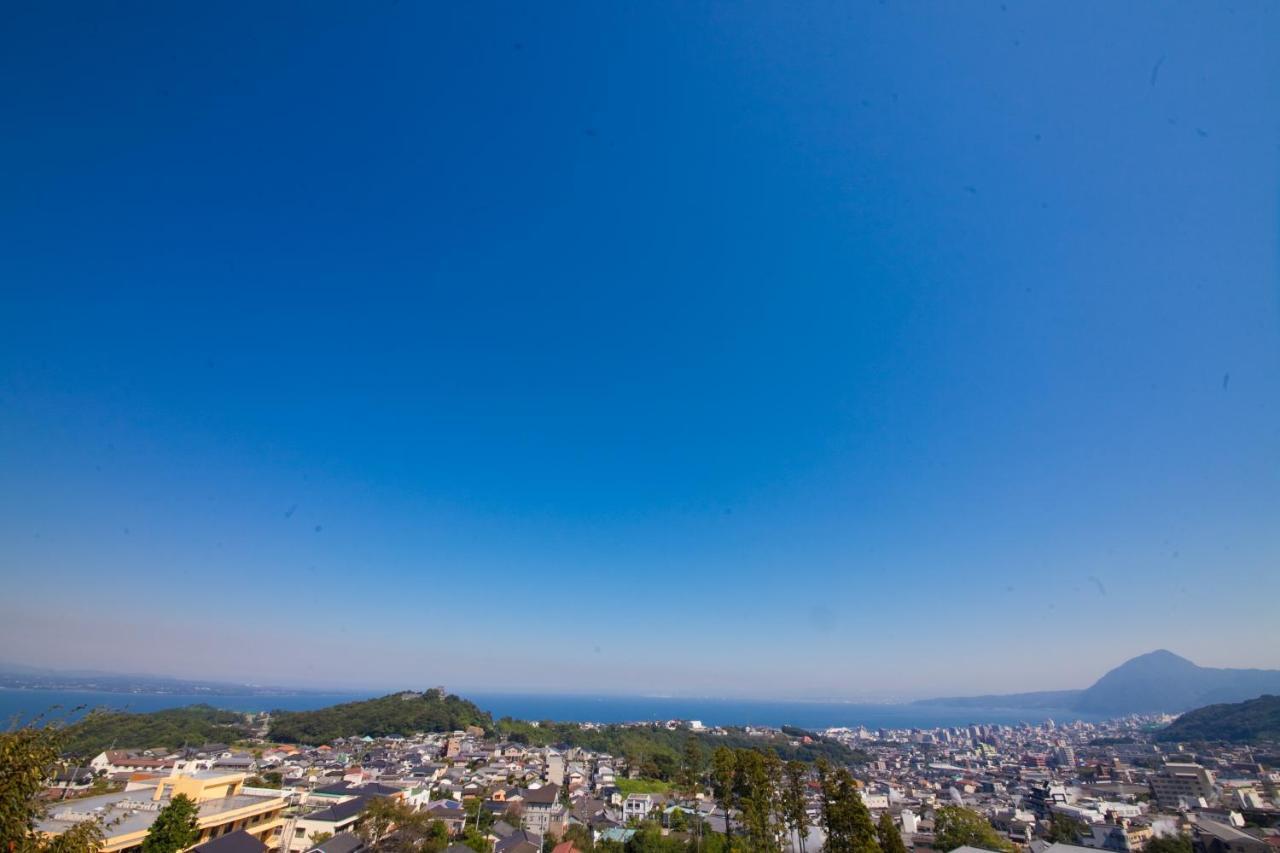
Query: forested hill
(1254,720)
(397,714)
(193,725)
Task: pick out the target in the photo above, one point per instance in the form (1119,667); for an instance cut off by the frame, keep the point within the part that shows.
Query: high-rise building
(1178,783)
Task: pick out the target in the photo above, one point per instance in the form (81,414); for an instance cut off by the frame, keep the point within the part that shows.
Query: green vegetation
(1180,844)
(844,816)
(660,752)
(392,825)
(796,732)
(1239,722)
(955,827)
(642,786)
(1064,829)
(28,757)
(174,828)
(794,803)
(398,714)
(888,836)
(170,729)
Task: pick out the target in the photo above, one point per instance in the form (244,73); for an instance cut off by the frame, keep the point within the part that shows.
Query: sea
(24,704)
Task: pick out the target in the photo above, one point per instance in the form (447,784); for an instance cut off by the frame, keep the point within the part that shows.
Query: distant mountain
(1161,681)
(1157,682)
(21,677)
(1239,722)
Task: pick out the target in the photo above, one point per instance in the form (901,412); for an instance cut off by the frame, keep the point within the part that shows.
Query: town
(1044,788)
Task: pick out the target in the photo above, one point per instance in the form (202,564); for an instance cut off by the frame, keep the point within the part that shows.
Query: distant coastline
(26,703)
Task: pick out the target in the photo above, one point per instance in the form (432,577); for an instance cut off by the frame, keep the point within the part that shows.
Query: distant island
(1158,682)
(19,677)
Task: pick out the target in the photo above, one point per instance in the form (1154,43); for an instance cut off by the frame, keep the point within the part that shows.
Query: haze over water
(571,708)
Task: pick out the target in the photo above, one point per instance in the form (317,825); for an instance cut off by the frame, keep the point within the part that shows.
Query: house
(334,820)
(637,807)
(1212,836)
(543,812)
(119,761)
(244,763)
(555,767)
(1120,837)
(75,779)
(520,841)
(450,813)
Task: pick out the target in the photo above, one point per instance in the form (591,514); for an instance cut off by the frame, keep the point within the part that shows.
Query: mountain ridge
(1156,682)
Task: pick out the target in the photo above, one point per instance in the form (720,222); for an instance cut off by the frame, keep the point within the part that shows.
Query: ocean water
(743,712)
(24,704)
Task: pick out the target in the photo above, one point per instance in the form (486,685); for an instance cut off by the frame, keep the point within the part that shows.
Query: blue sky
(855,350)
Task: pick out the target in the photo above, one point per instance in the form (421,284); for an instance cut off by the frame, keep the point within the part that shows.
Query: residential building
(223,806)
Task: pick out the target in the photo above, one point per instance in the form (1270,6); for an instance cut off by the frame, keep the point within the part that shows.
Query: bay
(24,704)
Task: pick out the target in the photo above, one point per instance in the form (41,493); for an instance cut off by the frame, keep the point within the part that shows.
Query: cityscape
(432,771)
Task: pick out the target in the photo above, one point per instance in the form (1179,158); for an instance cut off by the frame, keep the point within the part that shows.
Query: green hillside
(194,725)
(1239,722)
(397,714)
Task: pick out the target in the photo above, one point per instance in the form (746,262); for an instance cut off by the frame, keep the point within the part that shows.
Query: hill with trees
(1238,722)
(171,728)
(657,750)
(397,714)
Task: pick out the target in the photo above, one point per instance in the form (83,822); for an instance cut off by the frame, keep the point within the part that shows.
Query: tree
(795,814)
(955,826)
(689,774)
(319,838)
(857,833)
(480,817)
(1064,829)
(580,837)
(174,828)
(393,825)
(723,776)
(475,839)
(757,793)
(1165,844)
(844,816)
(888,836)
(28,758)
(381,815)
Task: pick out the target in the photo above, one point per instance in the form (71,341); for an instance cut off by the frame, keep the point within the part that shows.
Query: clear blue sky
(811,349)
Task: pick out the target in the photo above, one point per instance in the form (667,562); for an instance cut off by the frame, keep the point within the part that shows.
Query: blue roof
(617,833)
